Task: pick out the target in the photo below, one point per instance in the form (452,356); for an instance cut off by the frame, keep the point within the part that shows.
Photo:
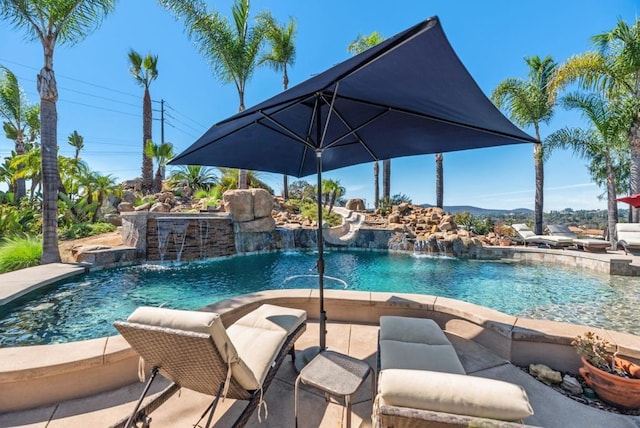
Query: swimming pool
(86,306)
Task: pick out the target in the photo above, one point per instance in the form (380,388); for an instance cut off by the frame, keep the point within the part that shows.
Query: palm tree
(31,169)
(439,181)
(603,143)
(97,188)
(77,142)
(67,22)
(162,153)
(15,109)
(232,49)
(144,71)
(332,190)
(283,53)
(359,45)
(615,69)
(229,180)
(196,177)
(529,103)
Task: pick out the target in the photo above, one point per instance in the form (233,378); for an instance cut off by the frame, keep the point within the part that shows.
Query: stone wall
(194,237)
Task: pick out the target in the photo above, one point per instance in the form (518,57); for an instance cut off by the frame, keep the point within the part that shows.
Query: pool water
(85,306)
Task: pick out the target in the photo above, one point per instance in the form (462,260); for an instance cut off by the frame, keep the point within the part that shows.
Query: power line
(73,78)
(185,116)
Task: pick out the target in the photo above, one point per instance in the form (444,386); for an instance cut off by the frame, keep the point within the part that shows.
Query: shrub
(82,230)
(310,209)
(19,253)
(201,193)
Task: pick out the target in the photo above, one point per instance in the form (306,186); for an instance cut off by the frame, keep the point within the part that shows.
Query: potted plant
(614,379)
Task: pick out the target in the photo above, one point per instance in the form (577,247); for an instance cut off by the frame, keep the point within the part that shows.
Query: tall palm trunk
(242,174)
(285,178)
(20,186)
(147,163)
(48,91)
(439,181)
(376,184)
(612,204)
(539,170)
(386,179)
(634,143)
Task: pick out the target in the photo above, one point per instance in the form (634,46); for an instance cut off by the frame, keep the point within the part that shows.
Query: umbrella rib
(354,131)
(288,133)
(442,120)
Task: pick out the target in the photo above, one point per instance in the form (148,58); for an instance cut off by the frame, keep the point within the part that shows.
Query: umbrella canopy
(409,95)
(633,200)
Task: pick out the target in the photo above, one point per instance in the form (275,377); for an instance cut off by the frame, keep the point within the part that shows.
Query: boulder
(394,218)
(129,196)
(113,219)
(125,207)
(264,224)
(143,207)
(355,205)
(262,203)
(240,204)
(160,207)
(403,207)
(571,384)
(545,374)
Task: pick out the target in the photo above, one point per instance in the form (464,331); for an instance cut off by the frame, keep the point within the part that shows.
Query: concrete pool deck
(551,408)
(33,379)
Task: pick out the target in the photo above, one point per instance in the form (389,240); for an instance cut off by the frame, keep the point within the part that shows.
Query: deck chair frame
(191,360)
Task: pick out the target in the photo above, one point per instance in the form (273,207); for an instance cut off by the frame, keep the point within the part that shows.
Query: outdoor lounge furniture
(587,244)
(529,237)
(628,236)
(195,351)
(421,383)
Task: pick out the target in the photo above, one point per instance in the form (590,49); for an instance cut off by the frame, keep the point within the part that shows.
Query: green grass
(19,253)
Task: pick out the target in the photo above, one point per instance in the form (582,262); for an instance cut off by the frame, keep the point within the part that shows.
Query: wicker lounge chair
(587,244)
(421,383)
(195,351)
(549,241)
(628,236)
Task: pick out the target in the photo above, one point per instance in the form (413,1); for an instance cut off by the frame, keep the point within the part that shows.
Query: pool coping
(48,374)
(41,375)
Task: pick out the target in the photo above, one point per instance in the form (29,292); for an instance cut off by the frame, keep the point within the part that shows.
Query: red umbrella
(633,200)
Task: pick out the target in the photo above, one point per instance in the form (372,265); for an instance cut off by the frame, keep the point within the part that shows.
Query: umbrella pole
(320,265)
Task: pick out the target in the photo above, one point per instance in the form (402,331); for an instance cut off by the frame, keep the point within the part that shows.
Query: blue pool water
(86,306)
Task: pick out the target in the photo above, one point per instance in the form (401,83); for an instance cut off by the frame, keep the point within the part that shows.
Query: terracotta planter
(618,391)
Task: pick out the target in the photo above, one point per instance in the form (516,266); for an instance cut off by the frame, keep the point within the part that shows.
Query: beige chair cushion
(200,322)
(271,317)
(628,232)
(417,330)
(257,347)
(416,343)
(453,393)
(417,356)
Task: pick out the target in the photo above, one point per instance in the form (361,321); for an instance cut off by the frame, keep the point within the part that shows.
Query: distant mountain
(453,209)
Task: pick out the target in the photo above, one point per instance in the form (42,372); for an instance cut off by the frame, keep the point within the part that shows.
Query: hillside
(453,209)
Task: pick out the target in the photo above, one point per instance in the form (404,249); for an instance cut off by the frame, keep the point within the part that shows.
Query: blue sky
(100,100)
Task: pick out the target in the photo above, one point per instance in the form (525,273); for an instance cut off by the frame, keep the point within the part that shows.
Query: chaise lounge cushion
(259,335)
(250,347)
(453,393)
(418,344)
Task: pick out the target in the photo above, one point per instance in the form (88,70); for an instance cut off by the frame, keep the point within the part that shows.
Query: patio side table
(336,375)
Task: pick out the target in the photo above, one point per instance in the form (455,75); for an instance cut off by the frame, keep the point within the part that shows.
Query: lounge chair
(195,351)
(421,383)
(628,236)
(587,244)
(549,241)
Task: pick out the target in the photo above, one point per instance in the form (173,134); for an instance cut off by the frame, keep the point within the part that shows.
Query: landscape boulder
(262,203)
(240,204)
(355,205)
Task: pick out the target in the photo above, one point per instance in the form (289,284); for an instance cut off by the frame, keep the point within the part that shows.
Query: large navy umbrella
(409,95)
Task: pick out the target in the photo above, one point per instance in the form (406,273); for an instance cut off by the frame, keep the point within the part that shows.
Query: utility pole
(162,121)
